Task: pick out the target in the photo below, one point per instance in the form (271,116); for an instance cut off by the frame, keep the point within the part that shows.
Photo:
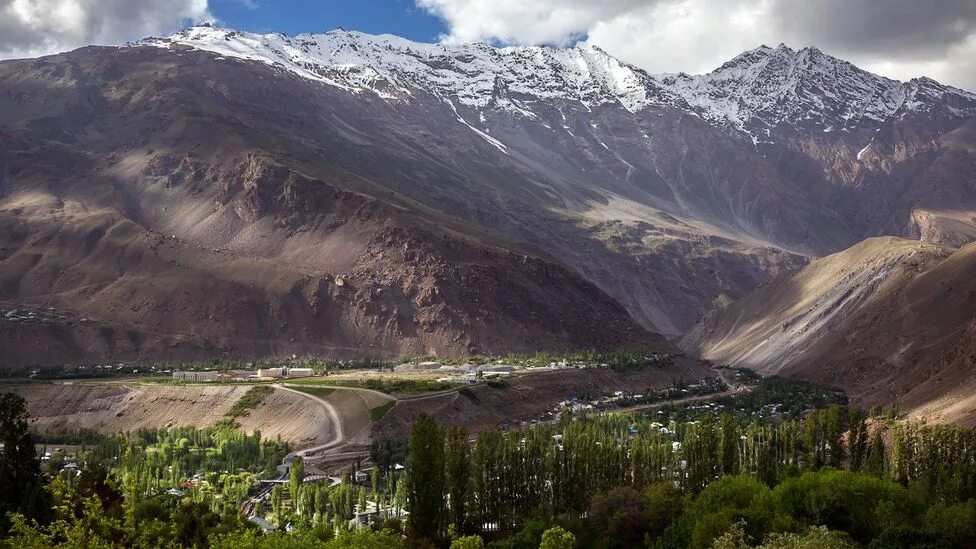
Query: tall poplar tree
(425,470)
(457,469)
(831,426)
(729,445)
(857,439)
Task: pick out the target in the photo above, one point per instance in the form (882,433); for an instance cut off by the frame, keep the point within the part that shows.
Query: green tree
(953,525)
(468,542)
(729,445)
(425,469)
(193,523)
(366,539)
(618,516)
(663,504)
(832,430)
(557,538)
(733,538)
(857,439)
(296,474)
(876,462)
(374,483)
(361,501)
(811,442)
(727,501)
(815,537)
(20,469)
(860,505)
(276,505)
(457,466)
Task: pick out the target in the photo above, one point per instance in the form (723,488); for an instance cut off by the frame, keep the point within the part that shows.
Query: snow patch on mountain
(469,74)
(767,87)
(756,92)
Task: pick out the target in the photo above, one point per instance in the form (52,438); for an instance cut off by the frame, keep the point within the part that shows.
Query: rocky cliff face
(466,195)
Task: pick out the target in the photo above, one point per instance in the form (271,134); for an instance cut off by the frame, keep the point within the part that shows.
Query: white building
(208,375)
(465,378)
(285,372)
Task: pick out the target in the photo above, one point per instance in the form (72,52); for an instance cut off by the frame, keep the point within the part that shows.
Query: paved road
(732,390)
(682,400)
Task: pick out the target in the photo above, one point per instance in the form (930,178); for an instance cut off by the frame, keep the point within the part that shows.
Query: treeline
(162,457)
(624,359)
(168,487)
(82,436)
(330,508)
(555,472)
(828,478)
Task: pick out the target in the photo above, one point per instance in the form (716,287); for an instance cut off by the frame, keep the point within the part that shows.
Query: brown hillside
(888,319)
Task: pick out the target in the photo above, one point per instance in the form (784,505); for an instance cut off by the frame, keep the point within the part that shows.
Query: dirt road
(339,436)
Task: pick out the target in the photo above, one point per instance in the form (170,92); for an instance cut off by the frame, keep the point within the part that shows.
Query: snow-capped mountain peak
(766,87)
(395,68)
(755,92)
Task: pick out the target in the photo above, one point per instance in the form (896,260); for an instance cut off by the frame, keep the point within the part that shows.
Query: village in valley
(288,484)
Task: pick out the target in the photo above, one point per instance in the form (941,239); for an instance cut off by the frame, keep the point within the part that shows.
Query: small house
(264,525)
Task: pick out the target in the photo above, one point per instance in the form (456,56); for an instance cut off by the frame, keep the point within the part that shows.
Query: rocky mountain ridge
(754,93)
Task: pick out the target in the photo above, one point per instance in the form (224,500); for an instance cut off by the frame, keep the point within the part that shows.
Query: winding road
(339,436)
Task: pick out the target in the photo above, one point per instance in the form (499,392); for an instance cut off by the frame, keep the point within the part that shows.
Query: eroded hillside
(888,320)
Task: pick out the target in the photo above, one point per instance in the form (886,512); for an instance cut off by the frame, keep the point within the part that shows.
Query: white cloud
(37,27)
(898,38)
(518,21)
(956,67)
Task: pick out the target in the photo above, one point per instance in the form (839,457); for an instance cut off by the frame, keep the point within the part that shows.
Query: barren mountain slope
(887,320)
(124,207)
(673,193)
(207,193)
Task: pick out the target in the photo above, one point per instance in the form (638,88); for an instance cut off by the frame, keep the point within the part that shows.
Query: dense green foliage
(624,480)
(65,435)
(401,386)
(426,482)
(19,466)
(162,458)
(768,400)
(745,473)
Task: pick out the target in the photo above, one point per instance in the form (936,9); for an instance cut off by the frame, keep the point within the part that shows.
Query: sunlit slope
(886,319)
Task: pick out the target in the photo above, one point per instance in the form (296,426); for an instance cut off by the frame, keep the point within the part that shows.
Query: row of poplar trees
(456,488)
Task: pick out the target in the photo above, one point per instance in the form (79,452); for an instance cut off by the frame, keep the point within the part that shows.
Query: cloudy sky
(897,38)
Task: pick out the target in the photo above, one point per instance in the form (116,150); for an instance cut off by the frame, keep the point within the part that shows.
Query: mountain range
(223,193)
